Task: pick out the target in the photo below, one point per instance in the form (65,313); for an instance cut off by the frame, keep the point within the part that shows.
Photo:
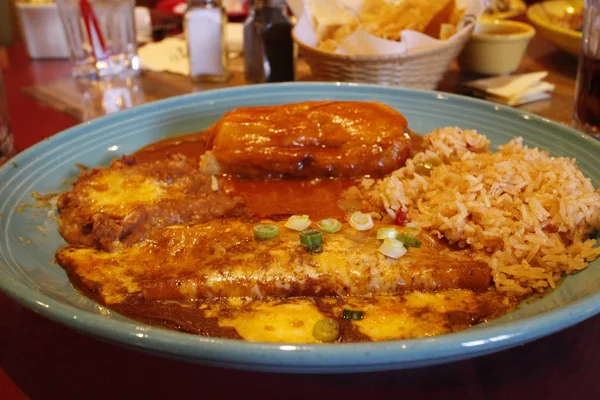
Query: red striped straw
(93,30)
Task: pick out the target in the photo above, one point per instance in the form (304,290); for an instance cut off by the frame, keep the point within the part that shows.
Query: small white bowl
(496,47)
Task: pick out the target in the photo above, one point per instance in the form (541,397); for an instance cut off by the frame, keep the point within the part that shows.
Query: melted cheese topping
(111,279)
(264,322)
(385,317)
(415,314)
(119,193)
(222,259)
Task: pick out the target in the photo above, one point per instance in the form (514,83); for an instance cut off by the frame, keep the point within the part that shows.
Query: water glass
(586,114)
(7,147)
(101,36)
(105,97)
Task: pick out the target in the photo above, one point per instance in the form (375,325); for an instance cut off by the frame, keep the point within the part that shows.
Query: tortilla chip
(436,18)
(433,29)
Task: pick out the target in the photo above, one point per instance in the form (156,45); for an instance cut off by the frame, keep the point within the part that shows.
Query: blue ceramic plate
(29,238)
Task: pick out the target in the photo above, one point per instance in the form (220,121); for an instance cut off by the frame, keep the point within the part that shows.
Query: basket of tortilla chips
(406,43)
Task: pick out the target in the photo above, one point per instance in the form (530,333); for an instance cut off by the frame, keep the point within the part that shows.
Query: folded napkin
(512,90)
(170,54)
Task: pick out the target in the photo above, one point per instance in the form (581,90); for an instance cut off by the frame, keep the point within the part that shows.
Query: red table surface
(40,359)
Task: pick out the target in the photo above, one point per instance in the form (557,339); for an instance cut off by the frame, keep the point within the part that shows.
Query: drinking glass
(101,36)
(109,96)
(586,114)
(7,147)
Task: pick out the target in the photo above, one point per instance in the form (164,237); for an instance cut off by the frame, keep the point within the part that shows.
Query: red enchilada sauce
(264,198)
(318,198)
(190,145)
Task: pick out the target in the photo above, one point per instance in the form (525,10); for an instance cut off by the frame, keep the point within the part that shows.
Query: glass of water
(7,146)
(109,96)
(101,36)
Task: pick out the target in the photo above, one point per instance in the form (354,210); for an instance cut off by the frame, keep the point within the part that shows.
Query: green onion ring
(409,240)
(262,232)
(298,222)
(330,225)
(392,248)
(361,221)
(311,238)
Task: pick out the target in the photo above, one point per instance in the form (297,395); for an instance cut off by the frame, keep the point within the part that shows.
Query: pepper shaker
(268,44)
(205,22)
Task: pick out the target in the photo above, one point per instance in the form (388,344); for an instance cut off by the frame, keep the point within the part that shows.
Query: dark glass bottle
(268,44)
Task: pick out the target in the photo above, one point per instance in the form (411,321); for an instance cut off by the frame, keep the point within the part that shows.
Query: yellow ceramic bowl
(496,47)
(543,16)
(517,7)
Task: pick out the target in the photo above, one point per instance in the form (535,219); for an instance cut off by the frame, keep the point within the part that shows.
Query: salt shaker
(268,44)
(205,22)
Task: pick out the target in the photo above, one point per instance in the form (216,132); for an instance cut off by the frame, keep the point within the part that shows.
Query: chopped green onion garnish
(311,238)
(360,221)
(354,315)
(265,231)
(409,240)
(298,222)
(314,249)
(330,225)
(383,233)
(326,330)
(392,248)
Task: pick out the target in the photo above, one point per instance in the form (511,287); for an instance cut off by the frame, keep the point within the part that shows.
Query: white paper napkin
(170,54)
(512,90)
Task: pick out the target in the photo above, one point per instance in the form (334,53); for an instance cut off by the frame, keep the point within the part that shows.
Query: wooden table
(41,359)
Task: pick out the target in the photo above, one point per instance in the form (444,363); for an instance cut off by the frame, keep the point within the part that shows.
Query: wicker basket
(418,69)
